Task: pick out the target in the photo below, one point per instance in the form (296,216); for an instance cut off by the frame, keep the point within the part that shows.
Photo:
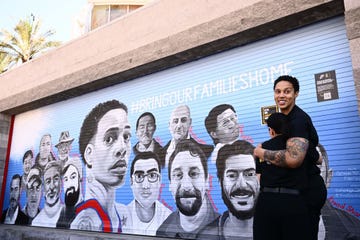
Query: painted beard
(241,215)
(185,202)
(71,196)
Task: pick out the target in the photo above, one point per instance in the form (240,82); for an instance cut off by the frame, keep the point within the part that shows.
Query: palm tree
(5,61)
(26,42)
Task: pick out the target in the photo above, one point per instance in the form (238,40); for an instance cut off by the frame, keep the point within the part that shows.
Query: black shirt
(274,176)
(301,126)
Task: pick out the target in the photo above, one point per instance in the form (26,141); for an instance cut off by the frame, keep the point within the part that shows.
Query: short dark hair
(186,145)
(290,79)
(36,176)
(143,115)
(324,155)
(145,156)
(325,160)
(228,150)
(16,176)
(211,119)
(26,154)
(279,123)
(91,121)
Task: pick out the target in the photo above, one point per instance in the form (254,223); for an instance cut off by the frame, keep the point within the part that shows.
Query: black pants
(315,197)
(280,216)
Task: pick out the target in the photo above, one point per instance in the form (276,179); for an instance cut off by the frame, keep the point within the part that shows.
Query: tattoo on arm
(276,157)
(296,149)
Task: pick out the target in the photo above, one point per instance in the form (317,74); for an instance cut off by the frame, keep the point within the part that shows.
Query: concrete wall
(160,35)
(352,21)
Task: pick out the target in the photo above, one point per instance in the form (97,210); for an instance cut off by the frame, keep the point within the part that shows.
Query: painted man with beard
(239,189)
(145,129)
(189,184)
(14,215)
(33,193)
(72,178)
(104,145)
(49,215)
(222,126)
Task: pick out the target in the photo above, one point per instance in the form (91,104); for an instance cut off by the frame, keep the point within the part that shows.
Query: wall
(352,17)
(152,46)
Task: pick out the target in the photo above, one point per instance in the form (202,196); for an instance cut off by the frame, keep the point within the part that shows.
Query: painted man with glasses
(146,212)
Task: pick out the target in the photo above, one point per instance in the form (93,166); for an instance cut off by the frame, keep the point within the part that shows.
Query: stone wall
(352,21)
(5,121)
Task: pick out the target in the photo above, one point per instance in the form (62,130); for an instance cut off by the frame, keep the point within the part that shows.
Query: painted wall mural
(140,157)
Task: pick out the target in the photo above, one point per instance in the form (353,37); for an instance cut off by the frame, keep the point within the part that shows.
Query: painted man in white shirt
(49,215)
(146,212)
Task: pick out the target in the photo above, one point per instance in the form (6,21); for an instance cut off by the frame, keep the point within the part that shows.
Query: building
(103,12)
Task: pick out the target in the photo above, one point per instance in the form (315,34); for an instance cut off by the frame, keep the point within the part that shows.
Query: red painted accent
(12,120)
(211,187)
(94,204)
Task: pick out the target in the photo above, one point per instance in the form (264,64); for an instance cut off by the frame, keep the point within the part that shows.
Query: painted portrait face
(146,182)
(188,183)
(28,161)
(240,186)
(52,185)
(64,150)
(145,130)
(109,151)
(45,147)
(284,96)
(227,129)
(33,195)
(326,172)
(14,192)
(180,123)
(71,183)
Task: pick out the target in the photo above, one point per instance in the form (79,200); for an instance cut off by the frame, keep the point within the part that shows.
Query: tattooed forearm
(292,157)
(275,157)
(297,147)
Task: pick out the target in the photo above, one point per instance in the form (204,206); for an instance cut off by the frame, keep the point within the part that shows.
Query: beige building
(103,12)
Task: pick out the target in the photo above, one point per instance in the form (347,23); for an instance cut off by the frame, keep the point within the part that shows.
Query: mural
(140,157)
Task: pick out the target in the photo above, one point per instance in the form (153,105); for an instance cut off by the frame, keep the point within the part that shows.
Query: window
(102,14)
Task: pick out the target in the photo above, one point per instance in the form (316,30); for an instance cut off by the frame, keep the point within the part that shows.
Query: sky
(54,15)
